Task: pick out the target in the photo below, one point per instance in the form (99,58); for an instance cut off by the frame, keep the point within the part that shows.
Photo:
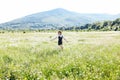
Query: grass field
(87,56)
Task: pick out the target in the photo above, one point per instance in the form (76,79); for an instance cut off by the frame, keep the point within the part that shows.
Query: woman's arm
(54,38)
(65,39)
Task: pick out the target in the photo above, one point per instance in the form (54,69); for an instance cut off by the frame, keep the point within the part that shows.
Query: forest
(97,26)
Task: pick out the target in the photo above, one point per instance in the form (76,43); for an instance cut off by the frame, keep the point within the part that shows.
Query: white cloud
(11,9)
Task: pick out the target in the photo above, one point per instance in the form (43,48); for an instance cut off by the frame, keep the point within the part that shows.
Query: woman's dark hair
(59,32)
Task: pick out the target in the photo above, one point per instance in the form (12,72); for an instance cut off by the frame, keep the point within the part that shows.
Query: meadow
(86,56)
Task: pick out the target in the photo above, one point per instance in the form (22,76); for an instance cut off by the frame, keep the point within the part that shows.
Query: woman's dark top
(60,37)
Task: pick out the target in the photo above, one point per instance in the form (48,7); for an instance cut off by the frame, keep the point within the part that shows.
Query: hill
(55,18)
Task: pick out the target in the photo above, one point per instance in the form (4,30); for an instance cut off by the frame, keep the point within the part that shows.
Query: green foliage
(87,56)
(99,26)
(7,59)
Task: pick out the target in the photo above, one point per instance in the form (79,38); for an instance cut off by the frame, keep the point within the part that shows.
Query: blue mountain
(56,18)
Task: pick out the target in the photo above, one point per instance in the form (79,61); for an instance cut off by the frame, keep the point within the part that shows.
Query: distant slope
(55,18)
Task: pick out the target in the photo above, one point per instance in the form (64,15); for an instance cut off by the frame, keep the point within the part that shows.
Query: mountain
(55,18)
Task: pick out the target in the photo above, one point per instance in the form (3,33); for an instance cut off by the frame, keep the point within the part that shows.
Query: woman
(60,39)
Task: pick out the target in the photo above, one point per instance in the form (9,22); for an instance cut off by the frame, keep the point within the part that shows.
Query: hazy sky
(11,9)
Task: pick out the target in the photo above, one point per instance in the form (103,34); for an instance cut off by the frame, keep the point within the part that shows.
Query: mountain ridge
(56,18)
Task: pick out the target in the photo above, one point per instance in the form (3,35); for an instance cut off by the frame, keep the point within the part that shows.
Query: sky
(12,9)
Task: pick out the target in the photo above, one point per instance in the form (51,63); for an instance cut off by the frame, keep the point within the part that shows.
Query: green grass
(87,56)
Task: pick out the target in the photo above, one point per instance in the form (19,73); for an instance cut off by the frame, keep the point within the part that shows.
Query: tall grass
(87,56)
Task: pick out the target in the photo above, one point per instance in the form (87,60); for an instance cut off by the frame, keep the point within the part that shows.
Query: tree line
(98,26)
